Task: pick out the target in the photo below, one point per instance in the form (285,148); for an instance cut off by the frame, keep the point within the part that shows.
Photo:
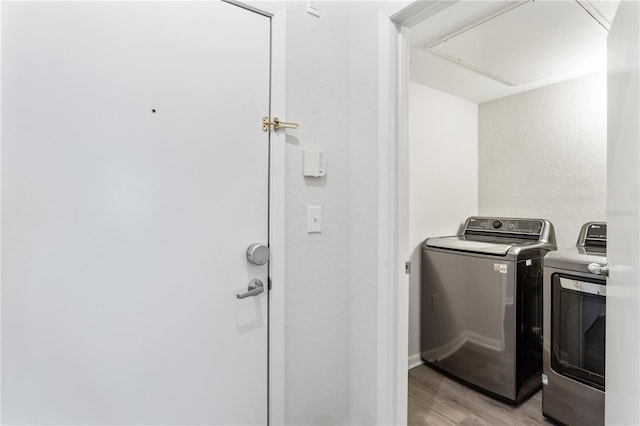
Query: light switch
(314,219)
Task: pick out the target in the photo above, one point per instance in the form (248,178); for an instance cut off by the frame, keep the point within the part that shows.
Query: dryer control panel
(593,234)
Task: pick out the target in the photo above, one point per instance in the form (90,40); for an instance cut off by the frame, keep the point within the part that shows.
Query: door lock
(258,254)
(277,124)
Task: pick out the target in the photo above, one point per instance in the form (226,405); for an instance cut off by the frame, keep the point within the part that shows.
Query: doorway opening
(505,118)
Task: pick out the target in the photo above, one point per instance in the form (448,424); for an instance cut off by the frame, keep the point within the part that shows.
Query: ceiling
(484,50)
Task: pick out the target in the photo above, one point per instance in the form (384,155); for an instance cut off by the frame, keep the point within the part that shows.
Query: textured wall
(363,205)
(443,180)
(543,153)
(317,265)
(331,277)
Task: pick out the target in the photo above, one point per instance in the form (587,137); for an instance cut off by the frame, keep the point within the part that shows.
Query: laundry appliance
(575,295)
(481,315)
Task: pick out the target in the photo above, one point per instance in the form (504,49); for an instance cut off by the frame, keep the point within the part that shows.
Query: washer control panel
(513,226)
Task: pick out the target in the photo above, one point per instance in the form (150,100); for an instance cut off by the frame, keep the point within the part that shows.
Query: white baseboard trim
(487,342)
(441,352)
(449,348)
(415,360)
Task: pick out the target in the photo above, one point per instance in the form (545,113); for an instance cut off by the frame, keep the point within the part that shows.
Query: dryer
(481,295)
(575,297)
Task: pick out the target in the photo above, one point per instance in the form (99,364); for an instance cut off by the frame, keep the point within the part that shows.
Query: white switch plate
(314,219)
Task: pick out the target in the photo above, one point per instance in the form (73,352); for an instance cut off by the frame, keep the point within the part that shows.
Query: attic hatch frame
(432,46)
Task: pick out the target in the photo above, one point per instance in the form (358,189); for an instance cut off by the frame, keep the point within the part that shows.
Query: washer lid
(498,247)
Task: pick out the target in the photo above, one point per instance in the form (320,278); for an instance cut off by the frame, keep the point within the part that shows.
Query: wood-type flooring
(437,400)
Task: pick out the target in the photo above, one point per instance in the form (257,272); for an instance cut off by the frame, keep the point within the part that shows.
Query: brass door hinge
(277,124)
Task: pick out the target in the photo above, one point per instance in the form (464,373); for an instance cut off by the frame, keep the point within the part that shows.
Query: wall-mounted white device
(315,163)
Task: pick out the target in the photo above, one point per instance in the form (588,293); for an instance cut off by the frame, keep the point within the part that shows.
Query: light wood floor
(437,400)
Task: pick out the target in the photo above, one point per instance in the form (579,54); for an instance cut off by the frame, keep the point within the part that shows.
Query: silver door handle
(255,288)
(596,268)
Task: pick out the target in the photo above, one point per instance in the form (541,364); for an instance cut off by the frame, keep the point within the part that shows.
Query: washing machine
(481,295)
(575,294)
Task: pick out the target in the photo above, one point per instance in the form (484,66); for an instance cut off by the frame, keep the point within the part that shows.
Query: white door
(134,177)
(623,248)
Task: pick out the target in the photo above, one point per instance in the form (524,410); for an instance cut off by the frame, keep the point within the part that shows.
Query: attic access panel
(528,41)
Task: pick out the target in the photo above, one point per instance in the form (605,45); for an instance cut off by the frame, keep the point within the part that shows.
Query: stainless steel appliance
(481,320)
(574,329)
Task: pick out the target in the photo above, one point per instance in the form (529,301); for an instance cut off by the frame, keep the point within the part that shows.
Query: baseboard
(451,347)
(415,360)
(480,340)
(441,352)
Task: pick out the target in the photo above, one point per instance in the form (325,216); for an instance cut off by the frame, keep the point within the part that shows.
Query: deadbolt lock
(258,254)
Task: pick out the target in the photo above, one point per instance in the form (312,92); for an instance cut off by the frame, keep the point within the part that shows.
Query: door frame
(277,143)
(394,22)
(276,11)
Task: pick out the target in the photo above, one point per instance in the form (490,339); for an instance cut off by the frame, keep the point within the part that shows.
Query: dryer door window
(578,328)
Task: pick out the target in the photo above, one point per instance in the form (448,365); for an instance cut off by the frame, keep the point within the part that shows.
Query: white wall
(443,177)
(317,343)
(363,205)
(543,153)
(331,277)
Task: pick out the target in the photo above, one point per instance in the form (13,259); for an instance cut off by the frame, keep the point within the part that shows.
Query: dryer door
(578,307)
